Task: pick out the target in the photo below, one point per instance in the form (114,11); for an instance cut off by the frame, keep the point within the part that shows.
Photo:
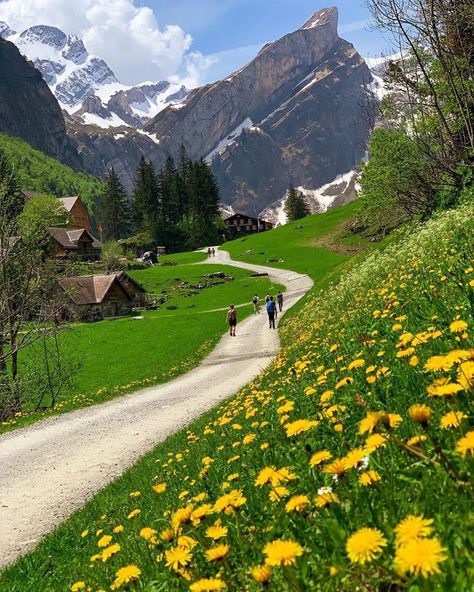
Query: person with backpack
(232,320)
(271,310)
(280,300)
(256,304)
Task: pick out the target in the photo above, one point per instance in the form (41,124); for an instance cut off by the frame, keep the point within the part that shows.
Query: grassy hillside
(37,172)
(346,466)
(138,353)
(317,245)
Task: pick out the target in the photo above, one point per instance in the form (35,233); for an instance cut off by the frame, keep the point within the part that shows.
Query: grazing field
(318,245)
(346,466)
(118,356)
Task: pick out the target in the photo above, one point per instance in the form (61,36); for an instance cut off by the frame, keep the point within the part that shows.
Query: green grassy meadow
(318,245)
(119,356)
(347,465)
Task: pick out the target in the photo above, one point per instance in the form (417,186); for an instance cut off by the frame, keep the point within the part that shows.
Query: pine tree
(204,204)
(145,199)
(296,206)
(114,208)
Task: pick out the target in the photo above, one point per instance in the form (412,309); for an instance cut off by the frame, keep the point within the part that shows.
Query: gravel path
(52,468)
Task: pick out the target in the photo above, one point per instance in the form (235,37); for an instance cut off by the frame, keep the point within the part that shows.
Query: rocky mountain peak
(46,35)
(326,16)
(5,30)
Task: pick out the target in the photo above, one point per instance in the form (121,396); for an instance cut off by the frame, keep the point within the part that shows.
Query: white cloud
(127,37)
(353,26)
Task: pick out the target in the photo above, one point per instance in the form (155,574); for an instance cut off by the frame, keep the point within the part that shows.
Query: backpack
(255,300)
(232,315)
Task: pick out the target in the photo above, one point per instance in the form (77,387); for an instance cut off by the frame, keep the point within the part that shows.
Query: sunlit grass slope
(346,466)
(317,245)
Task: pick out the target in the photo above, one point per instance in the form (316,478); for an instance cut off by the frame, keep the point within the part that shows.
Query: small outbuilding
(79,242)
(99,296)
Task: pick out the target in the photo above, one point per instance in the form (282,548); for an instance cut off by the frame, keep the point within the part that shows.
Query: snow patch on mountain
(339,191)
(230,139)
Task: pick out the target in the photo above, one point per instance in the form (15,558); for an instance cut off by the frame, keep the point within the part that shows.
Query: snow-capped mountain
(84,85)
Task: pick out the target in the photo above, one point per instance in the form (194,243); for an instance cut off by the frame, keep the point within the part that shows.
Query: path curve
(52,468)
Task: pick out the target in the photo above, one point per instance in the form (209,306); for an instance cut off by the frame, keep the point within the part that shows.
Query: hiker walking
(280,301)
(232,320)
(256,304)
(271,311)
(213,251)
(209,251)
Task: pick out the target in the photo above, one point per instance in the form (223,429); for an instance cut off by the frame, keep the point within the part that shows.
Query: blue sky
(233,30)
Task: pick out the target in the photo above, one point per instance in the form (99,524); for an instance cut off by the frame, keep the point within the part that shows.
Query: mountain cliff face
(294,114)
(29,110)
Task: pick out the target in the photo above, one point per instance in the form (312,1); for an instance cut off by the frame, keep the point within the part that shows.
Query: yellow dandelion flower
(444,388)
(135,494)
(420,413)
(466,444)
(354,458)
(466,374)
(452,419)
(133,513)
(458,326)
(365,544)
(248,439)
(438,364)
(369,477)
(78,586)
(413,527)
(207,585)
(159,488)
(84,533)
(405,353)
(370,421)
(177,557)
(337,467)
(278,492)
(324,499)
(356,364)
(374,441)
(216,532)
(104,541)
(282,552)
(320,457)
(218,552)
(186,541)
(118,529)
(394,420)
(297,503)
(125,575)
(109,552)
(181,516)
(414,361)
(148,533)
(456,356)
(420,556)
(230,502)
(167,535)
(416,440)
(344,382)
(299,426)
(261,573)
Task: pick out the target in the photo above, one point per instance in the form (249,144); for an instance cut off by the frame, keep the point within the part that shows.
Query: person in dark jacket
(271,310)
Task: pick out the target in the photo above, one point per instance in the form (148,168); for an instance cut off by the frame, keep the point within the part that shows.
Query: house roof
(238,215)
(69,238)
(125,280)
(69,202)
(90,289)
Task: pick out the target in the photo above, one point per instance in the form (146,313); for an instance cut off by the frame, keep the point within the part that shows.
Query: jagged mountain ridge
(29,110)
(84,84)
(293,114)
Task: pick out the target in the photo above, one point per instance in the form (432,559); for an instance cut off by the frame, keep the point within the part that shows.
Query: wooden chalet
(78,214)
(243,224)
(79,242)
(98,296)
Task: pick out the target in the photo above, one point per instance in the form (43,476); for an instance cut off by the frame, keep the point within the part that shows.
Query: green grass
(119,356)
(342,362)
(317,245)
(37,172)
